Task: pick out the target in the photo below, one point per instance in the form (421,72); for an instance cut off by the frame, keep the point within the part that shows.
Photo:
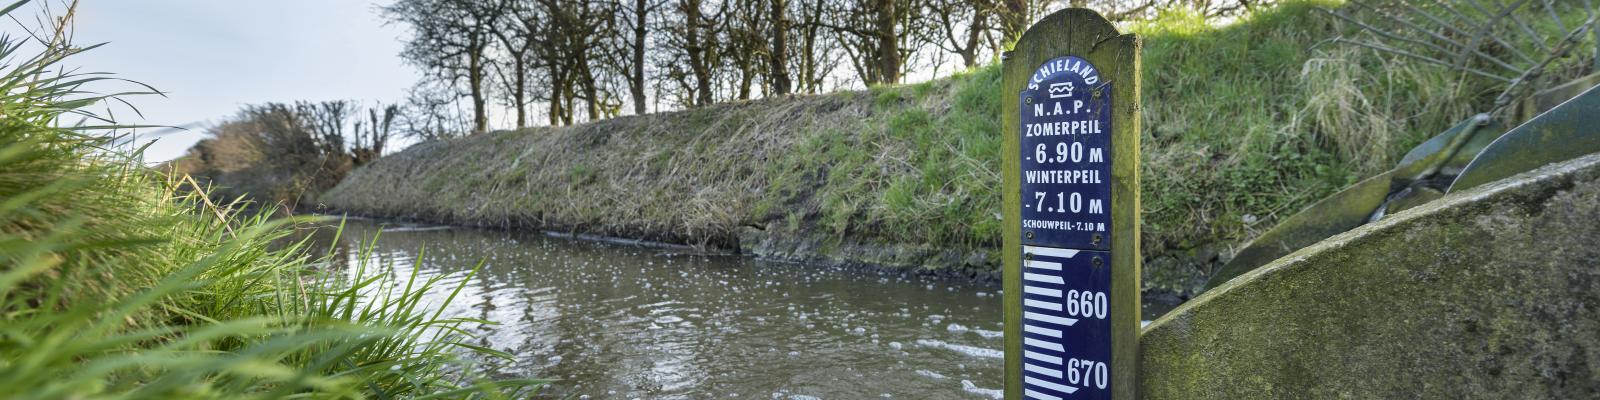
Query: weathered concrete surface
(1487,293)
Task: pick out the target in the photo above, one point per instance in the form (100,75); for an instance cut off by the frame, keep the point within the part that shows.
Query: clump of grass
(114,284)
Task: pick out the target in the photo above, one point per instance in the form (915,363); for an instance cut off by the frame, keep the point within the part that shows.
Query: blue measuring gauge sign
(1066,156)
(1066,330)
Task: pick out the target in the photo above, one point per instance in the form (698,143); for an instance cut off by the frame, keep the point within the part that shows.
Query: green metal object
(1567,131)
(1426,172)
(1548,99)
(1347,209)
(1421,176)
(1450,151)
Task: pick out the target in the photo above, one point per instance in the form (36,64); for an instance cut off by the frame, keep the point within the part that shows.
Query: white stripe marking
(1041,304)
(1046,358)
(1042,331)
(1043,344)
(1042,291)
(1050,251)
(1049,318)
(1042,278)
(1053,266)
(1042,370)
(1040,396)
(1050,385)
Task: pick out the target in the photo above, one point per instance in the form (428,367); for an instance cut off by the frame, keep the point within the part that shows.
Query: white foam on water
(416,228)
(972,351)
(781,395)
(984,333)
(931,374)
(996,394)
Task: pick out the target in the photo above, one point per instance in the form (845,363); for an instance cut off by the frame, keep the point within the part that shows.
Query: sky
(213,56)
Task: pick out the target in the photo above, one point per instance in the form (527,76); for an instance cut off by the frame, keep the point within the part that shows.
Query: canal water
(615,320)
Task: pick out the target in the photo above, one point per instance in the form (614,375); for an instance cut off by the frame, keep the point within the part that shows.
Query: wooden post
(1071,207)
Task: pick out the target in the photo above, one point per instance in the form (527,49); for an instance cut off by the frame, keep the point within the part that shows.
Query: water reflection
(623,321)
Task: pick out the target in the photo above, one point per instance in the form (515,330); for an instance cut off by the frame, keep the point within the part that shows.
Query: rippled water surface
(625,321)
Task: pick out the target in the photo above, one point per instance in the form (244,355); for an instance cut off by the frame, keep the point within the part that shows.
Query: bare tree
(880,35)
(450,41)
(693,38)
(372,135)
(638,27)
(888,47)
(578,24)
(430,113)
(816,55)
(518,46)
(964,26)
(325,122)
(778,55)
(745,43)
(1015,15)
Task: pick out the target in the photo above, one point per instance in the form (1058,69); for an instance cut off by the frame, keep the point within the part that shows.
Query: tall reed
(114,284)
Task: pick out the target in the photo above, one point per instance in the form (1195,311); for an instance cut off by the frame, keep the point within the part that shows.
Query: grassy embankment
(1246,123)
(114,285)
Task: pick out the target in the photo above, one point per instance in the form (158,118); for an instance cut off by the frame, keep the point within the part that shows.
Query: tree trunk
(519,94)
(568,94)
(779,56)
(808,49)
(636,81)
(480,113)
(888,44)
(980,23)
(696,49)
(557,85)
(586,79)
(746,77)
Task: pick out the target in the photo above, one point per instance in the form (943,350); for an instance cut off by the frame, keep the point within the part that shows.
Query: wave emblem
(1059,90)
